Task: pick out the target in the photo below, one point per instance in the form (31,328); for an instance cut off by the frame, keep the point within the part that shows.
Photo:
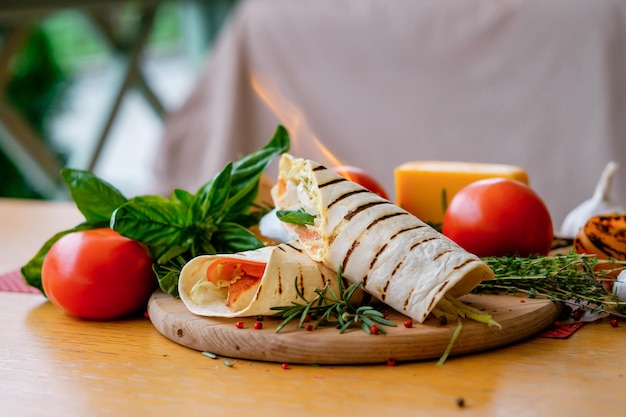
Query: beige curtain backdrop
(536,83)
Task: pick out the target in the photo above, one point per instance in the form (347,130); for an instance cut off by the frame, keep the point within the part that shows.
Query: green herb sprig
(297,217)
(216,219)
(570,277)
(332,308)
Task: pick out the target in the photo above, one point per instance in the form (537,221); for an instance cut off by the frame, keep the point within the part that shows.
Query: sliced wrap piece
(400,260)
(250,283)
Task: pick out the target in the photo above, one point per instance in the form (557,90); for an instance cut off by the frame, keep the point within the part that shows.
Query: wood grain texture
(519,320)
(25,225)
(57,366)
(54,365)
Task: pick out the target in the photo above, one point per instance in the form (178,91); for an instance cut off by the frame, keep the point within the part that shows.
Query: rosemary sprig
(332,308)
(570,277)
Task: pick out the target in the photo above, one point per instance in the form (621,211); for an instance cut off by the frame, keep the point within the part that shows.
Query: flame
(289,115)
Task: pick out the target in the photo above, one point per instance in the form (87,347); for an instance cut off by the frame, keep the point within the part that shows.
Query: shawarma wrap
(250,283)
(399,259)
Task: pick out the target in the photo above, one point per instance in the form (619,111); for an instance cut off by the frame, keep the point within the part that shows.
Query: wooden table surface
(55,365)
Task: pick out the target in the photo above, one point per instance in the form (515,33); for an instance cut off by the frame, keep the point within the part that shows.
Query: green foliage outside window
(41,73)
(65,43)
(35,88)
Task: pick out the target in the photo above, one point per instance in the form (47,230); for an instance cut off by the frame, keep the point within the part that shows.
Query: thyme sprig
(568,277)
(333,308)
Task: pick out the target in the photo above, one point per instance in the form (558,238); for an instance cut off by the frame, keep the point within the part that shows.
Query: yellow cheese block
(424,188)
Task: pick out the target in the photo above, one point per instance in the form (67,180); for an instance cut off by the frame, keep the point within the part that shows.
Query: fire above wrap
(400,260)
(251,283)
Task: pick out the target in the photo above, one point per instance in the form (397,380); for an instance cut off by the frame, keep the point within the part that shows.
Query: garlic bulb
(599,203)
(619,286)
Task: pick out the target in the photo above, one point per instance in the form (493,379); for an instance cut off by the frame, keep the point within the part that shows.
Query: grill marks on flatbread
(346,195)
(333,182)
(398,258)
(440,254)
(323,279)
(379,220)
(289,271)
(325,275)
(375,258)
(405,304)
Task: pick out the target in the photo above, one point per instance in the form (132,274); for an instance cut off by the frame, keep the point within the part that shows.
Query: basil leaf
(182,197)
(95,198)
(168,273)
(32,270)
(214,219)
(248,170)
(152,220)
(247,219)
(168,280)
(299,216)
(163,254)
(232,237)
(211,199)
(249,167)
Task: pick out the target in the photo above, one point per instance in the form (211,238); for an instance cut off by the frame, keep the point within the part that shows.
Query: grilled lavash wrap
(250,283)
(399,259)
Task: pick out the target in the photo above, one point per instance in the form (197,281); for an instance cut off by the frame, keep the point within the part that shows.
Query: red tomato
(497,217)
(98,274)
(362,178)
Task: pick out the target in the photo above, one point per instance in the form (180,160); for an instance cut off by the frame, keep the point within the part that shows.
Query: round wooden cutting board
(520,318)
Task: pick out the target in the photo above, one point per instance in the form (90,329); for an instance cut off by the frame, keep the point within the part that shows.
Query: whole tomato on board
(362,178)
(98,274)
(497,217)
